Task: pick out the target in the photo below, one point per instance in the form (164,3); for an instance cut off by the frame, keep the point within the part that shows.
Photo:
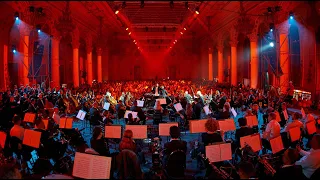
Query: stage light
(16,15)
(170,47)
(269,10)
(185,29)
(134,40)
(138,47)
(181,32)
(127,29)
(129,33)
(135,43)
(39,30)
(175,40)
(197,10)
(271,44)
(13,48)
(291,15)
(171,4)
(116,12)
(31,8)
(38,27)
(271,26)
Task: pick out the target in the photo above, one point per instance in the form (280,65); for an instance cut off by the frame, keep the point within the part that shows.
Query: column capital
(253,37)
(89,43)
(75,38)
(283,28)
(220,47)
(55,34)
(233,43)
(99,51)
(210,50)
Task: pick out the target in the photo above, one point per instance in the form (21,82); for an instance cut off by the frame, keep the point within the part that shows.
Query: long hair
(127,142)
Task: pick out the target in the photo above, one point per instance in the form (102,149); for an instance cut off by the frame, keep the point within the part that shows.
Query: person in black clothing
(98,143)
(140,114)
(244,130)
(197,108)
(211,136)
(175,143)
(32,106)
(289,170)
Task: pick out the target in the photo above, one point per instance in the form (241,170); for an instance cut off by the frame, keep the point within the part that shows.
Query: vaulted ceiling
(154,23)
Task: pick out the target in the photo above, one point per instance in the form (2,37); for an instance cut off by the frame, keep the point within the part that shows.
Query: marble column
(75,64)
(55,64)
(24,37)
(89,59)
(254,61)
(210,70)
(283,30)
(5,67)
(99,64)
(233,45)
(220,62)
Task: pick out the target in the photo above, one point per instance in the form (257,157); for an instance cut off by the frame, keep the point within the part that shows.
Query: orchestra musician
(290,93)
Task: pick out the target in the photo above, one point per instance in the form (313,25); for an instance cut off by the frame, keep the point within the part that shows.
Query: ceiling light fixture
(129,33)
(197,10)
(127,29)
(185,29)
(181,32)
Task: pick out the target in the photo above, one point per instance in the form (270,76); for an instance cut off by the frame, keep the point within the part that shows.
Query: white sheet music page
(178,107)
(140,103)
(106,106)
(207,110)
(234,113)
(127,112)
(90,166)
(81,114)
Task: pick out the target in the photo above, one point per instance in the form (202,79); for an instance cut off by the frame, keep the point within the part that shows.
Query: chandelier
(65,23)
(244,24)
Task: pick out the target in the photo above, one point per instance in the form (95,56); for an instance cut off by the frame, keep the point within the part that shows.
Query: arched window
(294,55)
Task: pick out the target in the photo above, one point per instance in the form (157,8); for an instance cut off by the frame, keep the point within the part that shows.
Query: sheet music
(178,107)
(253,141)
(3,137)
(31,138)
(45,122)
(140,103)
(162,101)
(66,122)
(311,127)
(139,131)
(29,117)
(227,125)
(81,115)
(106,106)
(134,114)
(112,131)
(294,133)
(234,113)
(164,128)
(69,123)
(276,144)
(207,110)
(285,114)
(252,121)
(197,126)
(62,123)
(303,113)
(90,166)
(213,153)
(225,151)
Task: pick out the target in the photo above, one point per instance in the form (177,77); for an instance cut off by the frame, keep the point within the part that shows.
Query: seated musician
(127,143)
(157,107)
(17,130)
(272,130)
(289,170)
(246,170)
(310,161)
(212,135)
(295,122)
(244,130)
(175,142)
(225,114)
(32,106)
(132,121)
(281,111)
(95,114)
(98,142)
(139,110)
(197,108)
(107,118)
(121,109)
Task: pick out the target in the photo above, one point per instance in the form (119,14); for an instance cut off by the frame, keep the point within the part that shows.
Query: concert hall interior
(159,89)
